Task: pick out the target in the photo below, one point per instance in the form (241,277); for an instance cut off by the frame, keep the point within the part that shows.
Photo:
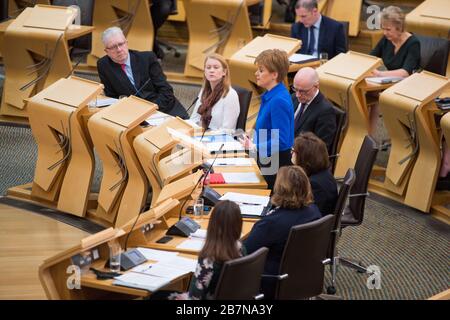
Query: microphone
(142,87)
(192,104)
(73,68)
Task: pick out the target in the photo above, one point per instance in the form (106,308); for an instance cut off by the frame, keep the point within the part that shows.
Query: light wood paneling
(26,239)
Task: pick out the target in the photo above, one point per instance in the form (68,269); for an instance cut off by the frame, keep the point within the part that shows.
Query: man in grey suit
(312,111)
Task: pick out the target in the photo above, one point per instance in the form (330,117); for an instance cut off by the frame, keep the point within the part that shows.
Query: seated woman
(217,106)
(399,49)
(274,128)
(293,203)
(310,153)
(221,244)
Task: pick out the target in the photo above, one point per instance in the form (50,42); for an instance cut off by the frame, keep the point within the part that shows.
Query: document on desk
(157,255)
(301,58)
(186,264)
(158,118)
(161,270)
(98,103)
(199,234)
(240,177)
(191,244)
(141,281)
(223,137)
(235,162)
(243,198)
(382,80)
(252,210)
(227,146)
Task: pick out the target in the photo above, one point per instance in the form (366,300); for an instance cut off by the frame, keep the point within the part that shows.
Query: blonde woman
(217,106)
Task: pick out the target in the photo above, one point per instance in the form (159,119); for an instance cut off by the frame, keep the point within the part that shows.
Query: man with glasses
(319,34)
(128,72)
(312,111)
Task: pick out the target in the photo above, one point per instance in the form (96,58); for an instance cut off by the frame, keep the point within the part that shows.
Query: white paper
(158,118)
(187,140)
(200,233)
(237,162)
(182,263)
(191,244)
(298,57)
(243,198)
(251,210)
(227,146)
(102,102)
(384,79)
(240,177)
(164,271)
(141,281)
(157,255)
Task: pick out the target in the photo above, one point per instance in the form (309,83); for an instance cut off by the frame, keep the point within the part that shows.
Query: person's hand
(377,73)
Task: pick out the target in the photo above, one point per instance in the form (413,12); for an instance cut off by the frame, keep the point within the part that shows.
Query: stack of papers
(152,276)
(238,162)
(240,177)
(301,58)
(384,79)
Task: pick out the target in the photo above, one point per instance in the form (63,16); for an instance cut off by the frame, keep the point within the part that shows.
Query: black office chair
(245,97)
(340,121)
(301,272)
(240,278)
(346,25)
(433,54)
(332,255)
(4,14)
(354,212)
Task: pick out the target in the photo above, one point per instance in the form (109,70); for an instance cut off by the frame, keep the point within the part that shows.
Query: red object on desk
(215,178)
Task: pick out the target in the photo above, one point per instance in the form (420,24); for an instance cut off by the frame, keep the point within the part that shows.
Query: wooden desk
(74,31)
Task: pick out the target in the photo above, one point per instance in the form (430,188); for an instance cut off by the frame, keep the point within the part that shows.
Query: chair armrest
(355,195)
(259,296)
(276,276)
(337,155)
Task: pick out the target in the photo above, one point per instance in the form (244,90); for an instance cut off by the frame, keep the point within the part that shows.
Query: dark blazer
(331,37)
(324,189)
(145,66)
(319,118)
(273,230)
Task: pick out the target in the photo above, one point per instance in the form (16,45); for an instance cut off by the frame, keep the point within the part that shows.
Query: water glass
(323,57)
(198,209)
(114,257)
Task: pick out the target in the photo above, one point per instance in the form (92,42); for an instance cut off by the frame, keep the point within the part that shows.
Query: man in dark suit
(319,34)
(312,111)
(129,72)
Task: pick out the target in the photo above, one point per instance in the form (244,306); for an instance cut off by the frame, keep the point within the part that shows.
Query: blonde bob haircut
(393,15)
(274,60)
(292,189)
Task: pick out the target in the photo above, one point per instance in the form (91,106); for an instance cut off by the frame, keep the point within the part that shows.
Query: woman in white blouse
(217,106)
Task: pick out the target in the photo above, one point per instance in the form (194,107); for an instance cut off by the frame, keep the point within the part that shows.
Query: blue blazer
(331,37)
(273,230)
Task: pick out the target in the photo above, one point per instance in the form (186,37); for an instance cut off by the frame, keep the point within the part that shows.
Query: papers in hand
(238,162)
(384,79)
(98,103)
(301,58)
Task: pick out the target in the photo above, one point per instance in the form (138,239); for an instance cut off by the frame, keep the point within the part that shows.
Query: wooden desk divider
(35,54)
(340,81)
(220,26)
(153,147)
(409,111)
(243,68)
(432,18)
(124,187)
(133,17)
(65,160)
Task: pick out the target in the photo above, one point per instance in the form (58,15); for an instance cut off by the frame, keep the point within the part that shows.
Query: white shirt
(307,105)
(128,70)
(224,114)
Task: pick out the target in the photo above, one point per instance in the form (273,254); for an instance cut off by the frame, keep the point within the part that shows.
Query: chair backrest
(340,121)
(341,202)
(302,260)
(433,54)
(240,278)
(245,96)
(363,168)
(346,26)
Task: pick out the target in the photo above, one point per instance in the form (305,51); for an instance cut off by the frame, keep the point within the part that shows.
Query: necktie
(123,66)
(299,114)
(312,41)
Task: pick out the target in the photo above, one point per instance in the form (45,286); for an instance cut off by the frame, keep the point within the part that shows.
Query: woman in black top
(310,153)
(293,203)
(399,49)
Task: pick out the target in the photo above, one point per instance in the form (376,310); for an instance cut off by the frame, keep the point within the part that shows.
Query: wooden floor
(26,239)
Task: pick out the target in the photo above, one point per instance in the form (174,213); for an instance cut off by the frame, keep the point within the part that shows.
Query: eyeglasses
(116,46)
(301,91)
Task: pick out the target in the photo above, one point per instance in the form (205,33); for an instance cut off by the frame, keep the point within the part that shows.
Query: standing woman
(274,130)
(399,49)
(217,105)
